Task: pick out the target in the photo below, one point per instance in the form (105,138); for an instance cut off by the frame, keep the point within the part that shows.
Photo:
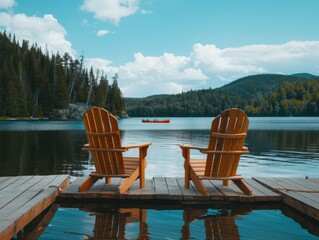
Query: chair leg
(187,179)
(186,155)
(108,180)
(243,186)
(143,163)
(88,183)
(225,183)
(142,173)
(187,175)
(198,183)
(125,185)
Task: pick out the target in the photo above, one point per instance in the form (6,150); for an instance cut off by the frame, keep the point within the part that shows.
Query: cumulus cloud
(153,74)
(230,63)
(210,66)
(45,31)
(111,10)
(102,33)
(7,3)
(97,63)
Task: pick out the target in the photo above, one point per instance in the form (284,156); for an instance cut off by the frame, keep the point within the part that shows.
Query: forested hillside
(34,83)
(259,95)
(291,99)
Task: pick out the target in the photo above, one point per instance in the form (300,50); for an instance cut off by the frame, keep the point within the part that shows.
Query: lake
(285,147)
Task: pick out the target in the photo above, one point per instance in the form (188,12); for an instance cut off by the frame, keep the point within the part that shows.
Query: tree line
(34,83)
(291,99)
(274,97)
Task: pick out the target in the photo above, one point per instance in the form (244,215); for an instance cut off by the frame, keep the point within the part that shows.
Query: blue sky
(171,46)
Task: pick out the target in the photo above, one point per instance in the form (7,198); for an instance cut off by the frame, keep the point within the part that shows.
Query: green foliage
(34,84)
(114,99)
(259,95)
(200,103)
(292,99)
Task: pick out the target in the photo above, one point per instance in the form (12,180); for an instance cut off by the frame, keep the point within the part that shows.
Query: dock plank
(168,188)
(174,189)
(31,198)
(73,189)
(230,192)
(294,195)
(149,191)
(213,190)
(262,193)
(161,189)
(263,190)
(189,194)
(111,190)
(18,201)
(7,181)
(17,188)
(304,184)
(25,197)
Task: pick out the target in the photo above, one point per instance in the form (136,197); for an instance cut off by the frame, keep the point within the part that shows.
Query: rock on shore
(74,111)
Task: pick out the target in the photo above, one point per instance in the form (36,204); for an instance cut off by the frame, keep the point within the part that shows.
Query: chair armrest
(243,151)
(189,146)
(141,145)
(87,148)
(186,152)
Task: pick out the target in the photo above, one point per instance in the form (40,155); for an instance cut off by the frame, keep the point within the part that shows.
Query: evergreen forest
(34,82)
(258,95)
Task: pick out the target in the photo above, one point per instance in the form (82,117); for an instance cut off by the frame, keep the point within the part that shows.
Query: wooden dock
(299,193)
(170,189)
(23,198)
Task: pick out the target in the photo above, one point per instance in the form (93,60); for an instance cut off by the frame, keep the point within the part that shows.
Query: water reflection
(217,221)
(36,228)
(42,152)
(111,223)
(219,224)
(272,153)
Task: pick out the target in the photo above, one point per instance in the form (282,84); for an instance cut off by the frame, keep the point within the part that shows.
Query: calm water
(278,147)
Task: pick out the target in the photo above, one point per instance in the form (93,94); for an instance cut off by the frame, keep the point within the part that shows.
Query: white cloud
(148,75)
(209,66)
(102,32)
(45,31)
(7,3)
(111,10)
(231,63)
(166,67)
(97,63)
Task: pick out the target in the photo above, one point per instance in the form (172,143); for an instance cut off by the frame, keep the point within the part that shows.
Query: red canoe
(155,120)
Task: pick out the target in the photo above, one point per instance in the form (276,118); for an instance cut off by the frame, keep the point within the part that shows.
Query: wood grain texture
(25,198)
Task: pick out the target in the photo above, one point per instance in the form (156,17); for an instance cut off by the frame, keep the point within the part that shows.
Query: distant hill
(304,75)
(259,84)
(249,93)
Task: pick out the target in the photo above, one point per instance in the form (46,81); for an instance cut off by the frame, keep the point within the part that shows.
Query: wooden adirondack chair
(217,226)
(226,144)
(111,224)
(104,143)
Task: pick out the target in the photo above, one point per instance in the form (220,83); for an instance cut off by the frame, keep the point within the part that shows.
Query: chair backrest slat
(231,121)
(98,120)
